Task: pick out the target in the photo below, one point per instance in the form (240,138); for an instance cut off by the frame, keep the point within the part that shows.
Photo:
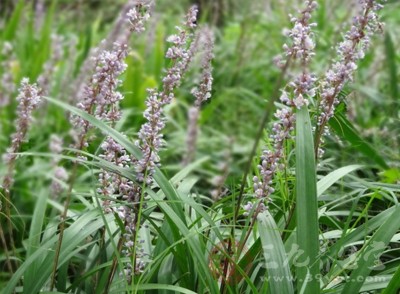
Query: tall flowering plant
(303,86)
(150,141)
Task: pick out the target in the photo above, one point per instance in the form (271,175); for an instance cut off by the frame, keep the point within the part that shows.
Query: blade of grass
(35,234)
(331,178)
(74,238)
(194,244)
(346,131)
(279,276)
(12,23)
(358,234)
(75,234)
(147,287)
(375,246)
(306,205)
(394,284)
(392,71)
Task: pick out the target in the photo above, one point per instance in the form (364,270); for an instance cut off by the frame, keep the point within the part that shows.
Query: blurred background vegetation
(249,34)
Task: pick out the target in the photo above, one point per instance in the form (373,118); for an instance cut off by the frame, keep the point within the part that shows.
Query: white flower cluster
(301,34)
(28,99)
(110,65)
(137,16)
(149,137)
(203,92)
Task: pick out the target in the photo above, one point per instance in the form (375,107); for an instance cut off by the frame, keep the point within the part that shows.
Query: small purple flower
(56,144)
(137,16)
(60,177)
(29,98)
(100,96)
(248,207)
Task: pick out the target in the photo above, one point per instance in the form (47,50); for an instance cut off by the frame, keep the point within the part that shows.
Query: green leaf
(334,176)
(166,272)
(345,130)
(392,70)
(359,233)
(277,265)
(147,287)
(391,175)
(306,206)
(35,233)
(194,243)
(394,284)
(44,45)
(12,23)
(78,232)
(375,246)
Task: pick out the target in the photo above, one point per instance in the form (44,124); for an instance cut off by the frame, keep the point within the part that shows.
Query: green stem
(62,224)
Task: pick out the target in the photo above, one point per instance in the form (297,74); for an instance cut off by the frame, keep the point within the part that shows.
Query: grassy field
(226,147)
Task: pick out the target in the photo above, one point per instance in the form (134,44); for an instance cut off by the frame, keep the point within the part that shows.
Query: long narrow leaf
(359,233)
(306,205)
(279,276)
(394,284)
(344,129)
(391,60)
(35,234)
(374,248)
(334,176)
(12,23)
(81,229)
